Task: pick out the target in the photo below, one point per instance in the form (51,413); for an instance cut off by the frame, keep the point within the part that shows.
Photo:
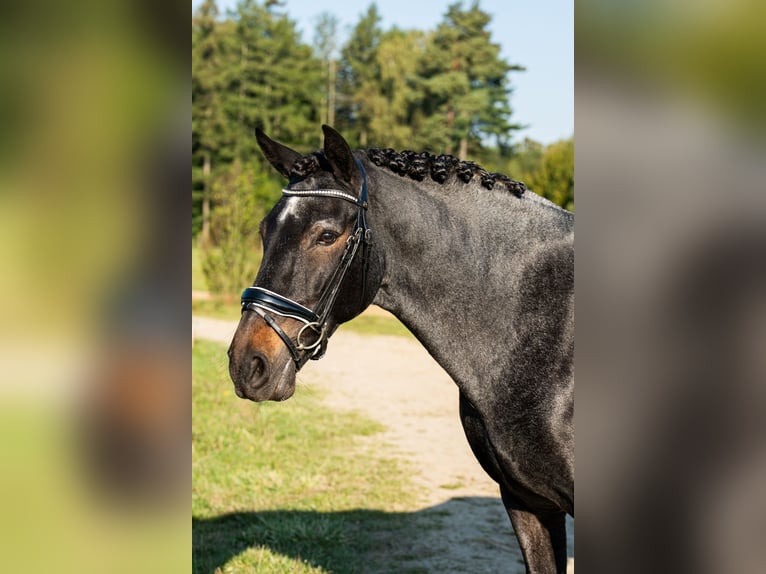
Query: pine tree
(210,128)
(396,122)
(466,84)
(359,78)
(326,45)
(277,83)
(239,207)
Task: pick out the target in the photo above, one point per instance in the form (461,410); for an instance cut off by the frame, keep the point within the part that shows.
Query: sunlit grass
(369,324)
(285,487)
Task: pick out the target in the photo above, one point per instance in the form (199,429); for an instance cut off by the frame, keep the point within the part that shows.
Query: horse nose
(249,372)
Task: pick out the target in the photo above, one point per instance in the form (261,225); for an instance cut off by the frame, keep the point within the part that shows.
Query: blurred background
(671,286)
(94,355)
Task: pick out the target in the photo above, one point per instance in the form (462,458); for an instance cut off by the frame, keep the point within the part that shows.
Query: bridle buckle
(318,330)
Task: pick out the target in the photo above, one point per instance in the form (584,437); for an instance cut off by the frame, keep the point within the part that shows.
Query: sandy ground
(396,382)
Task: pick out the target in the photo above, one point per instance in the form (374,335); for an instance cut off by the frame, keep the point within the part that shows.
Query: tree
(231,259)
(277,83)
(396,121)
(210,128)
(359,78)
(325,42)
(526,159)
(554,178)
(466,84)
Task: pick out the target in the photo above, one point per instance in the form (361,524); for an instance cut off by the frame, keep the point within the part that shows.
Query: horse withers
(481,271)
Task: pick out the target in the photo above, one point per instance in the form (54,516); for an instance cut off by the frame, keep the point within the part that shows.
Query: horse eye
(327,238)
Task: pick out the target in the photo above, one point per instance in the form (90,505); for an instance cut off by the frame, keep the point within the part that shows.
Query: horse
(477,267)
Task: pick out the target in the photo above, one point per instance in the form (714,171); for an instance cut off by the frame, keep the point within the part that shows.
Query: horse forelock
(309,165)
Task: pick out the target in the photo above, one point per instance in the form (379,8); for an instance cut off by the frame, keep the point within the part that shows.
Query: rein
(265,302)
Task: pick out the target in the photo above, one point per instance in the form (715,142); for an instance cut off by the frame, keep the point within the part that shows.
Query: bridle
(265,302)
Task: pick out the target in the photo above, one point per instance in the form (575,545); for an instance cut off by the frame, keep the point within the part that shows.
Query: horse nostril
(258,370)
(258,367)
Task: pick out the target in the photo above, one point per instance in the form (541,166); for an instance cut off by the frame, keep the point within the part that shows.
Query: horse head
(316,271)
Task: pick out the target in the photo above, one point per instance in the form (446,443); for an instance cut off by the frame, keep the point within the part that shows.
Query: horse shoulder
(528,424)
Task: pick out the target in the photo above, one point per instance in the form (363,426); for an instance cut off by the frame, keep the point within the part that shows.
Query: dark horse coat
(479,269)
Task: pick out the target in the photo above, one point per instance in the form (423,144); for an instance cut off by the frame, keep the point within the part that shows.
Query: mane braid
(419,165)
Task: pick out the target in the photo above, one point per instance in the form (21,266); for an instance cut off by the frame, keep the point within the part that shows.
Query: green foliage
(358,79)
(276,82)
(547,170)
(442,91)
(527,157)
(198,278)
(370,324)
(211,60)
(211,130)
(248,70)
(325,45)
(396,119)
(232,260)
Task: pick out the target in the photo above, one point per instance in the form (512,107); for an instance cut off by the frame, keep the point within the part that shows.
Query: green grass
(288,487)
(373,325)
(198,277)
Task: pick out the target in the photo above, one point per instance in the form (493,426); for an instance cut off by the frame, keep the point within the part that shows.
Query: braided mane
(417,166)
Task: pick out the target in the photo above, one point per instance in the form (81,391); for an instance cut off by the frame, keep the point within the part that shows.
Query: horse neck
(455,256)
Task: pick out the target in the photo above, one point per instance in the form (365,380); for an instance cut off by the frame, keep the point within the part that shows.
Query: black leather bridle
(265,302)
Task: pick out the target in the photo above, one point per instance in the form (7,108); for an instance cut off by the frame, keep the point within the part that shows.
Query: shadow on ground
(436,539)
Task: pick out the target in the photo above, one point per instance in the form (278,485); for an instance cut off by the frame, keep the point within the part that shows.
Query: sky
(537,34)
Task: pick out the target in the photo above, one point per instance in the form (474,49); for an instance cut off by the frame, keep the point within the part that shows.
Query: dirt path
(395,381)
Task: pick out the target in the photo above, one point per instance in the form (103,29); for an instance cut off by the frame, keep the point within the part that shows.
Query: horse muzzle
(259,365)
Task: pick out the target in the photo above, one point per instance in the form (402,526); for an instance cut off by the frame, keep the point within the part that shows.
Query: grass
(198,277)
(374,325)
(287,487)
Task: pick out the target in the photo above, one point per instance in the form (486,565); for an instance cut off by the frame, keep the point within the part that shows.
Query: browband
(321,193)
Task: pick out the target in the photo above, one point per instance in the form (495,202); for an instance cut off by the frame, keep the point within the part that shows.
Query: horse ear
(338,153)
(278,155)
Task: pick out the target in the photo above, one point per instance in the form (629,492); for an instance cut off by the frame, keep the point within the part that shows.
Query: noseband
(266,303)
